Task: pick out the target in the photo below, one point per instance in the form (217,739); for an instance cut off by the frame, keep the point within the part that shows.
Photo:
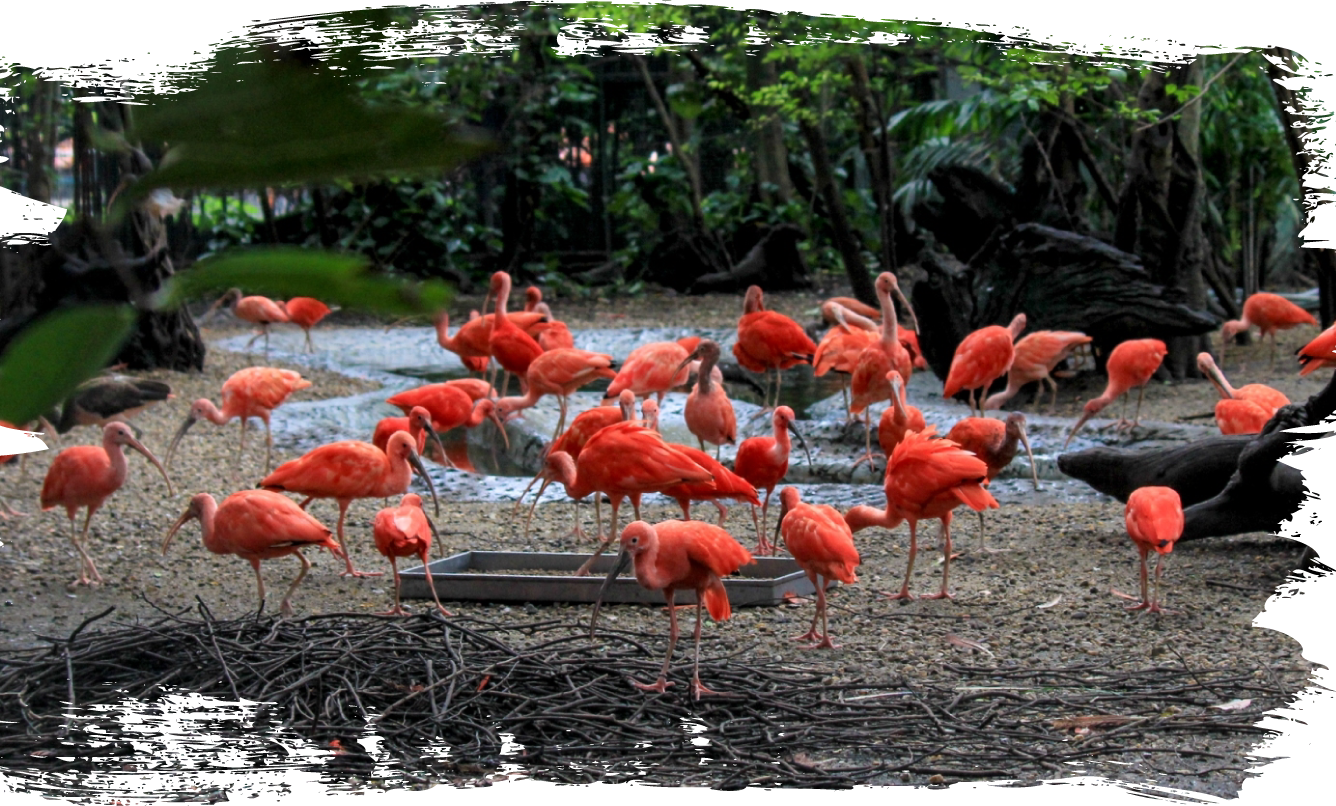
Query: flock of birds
(608,451)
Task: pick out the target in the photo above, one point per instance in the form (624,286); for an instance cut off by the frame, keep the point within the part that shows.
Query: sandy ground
(1066,557)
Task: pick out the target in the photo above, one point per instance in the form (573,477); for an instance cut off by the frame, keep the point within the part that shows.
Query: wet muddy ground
(1043,599)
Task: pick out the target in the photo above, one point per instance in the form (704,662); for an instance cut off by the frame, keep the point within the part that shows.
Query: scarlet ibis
(926,478)
(899,418)
(1240,411)
(709,413)
(1130,365)
(996,443)
(572,442)
(306,313)
(472,342)
(255,309)
(450,407)
(1269,313)
(726,485)
(554,334)
(86,476)
(251,392)
(769,340)
(512,348)
(1035,357)
(349,470)
(841,346)
(763,462)
(673,556)
(1154,518)
(982,357)
(623,460)
(257,525)
(406,531)
(1320,352)
(652,368)
(869,383)
(417,424)
(475,388)
(823,546)
(558,372)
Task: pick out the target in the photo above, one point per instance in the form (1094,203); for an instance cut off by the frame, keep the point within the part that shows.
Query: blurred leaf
(267,123)
(56,353)
(284,272)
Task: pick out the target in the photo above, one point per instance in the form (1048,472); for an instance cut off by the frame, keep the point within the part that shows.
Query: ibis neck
(213,415)
(119,466)
(703,372)
(502,296)
(207,518)
(646,567)
(890,326)
(476,417)
(443,336)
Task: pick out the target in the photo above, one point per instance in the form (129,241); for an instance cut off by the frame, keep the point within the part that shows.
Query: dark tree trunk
(1159,209)
(876,152)
(37,139)
(326,232)
(975,211)
(1050,189)
(88,262)
(845,240)
(267,210)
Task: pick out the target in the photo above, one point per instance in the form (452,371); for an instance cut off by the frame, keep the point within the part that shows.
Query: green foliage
(271,122)
(284,272)
(54,354)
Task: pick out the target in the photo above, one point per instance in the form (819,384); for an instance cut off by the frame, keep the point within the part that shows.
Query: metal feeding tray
(473,576)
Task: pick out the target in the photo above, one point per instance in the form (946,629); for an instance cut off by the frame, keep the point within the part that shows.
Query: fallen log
(1198,471)
(1257,494)
(774,263)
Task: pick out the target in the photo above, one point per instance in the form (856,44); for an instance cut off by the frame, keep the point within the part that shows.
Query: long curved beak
(500,426)
(134,443)
(181,432)
(1034,471)
(783,510)
(1085,418)
(692,356)
(440,446)
(528,519)
(794,430)
(397,323)
(181,521)
(221,302)
(623,560)
(416,462)
(909,309)
(518,501)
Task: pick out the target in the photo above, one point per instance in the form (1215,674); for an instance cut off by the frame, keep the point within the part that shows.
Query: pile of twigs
(424,682)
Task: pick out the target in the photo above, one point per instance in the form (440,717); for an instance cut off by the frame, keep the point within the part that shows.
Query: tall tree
(1159,209)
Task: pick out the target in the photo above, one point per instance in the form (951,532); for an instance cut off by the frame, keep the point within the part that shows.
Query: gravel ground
(1065,557)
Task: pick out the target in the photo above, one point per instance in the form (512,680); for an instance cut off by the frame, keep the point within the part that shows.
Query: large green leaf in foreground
(287,271)
(275,121)
(52,356)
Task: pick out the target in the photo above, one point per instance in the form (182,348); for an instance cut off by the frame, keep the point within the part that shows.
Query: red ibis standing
(86,476)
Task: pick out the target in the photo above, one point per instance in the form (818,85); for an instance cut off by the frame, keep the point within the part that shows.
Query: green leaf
(52,356)
(268,123)
(287,272)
